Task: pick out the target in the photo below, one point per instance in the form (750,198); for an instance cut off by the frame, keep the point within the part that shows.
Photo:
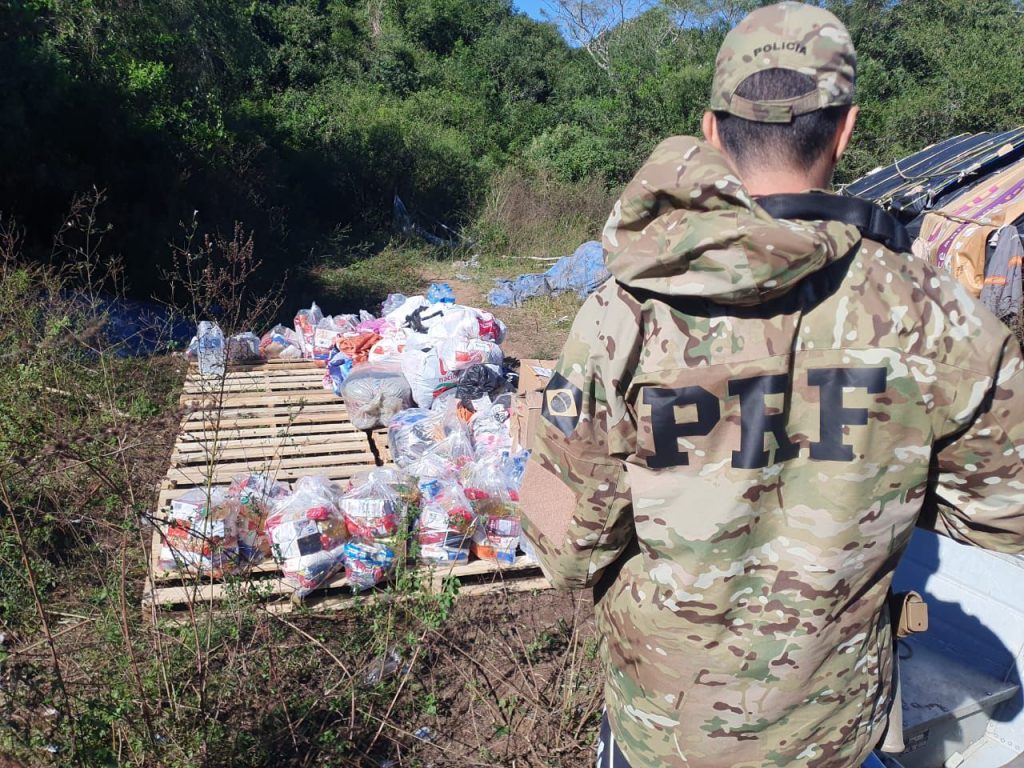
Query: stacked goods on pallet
(418,349)
(429,368)
(202,535)
(307,533)
(460,450)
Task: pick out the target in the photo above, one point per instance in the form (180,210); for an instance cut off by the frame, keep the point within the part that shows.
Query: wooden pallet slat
(482,576)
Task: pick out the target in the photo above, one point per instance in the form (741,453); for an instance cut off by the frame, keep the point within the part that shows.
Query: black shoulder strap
(873,223)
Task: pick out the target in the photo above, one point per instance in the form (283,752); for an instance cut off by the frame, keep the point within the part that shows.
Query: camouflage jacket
(750,419)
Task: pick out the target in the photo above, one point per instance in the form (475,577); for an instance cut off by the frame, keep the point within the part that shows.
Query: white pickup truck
(962,697)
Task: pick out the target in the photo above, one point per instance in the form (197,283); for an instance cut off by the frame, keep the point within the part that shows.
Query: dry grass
(527,215)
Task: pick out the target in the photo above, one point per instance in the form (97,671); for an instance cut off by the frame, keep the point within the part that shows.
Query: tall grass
(526,214)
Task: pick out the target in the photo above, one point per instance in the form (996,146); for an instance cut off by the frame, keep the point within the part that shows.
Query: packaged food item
(491,429)
(373,510)
(280,342)
(401,482)
(339,366)
(492,546)
(306,321)
(456,447)
(367,563)
(411,432)
(460,354)
(210,350)
(325,337)
(254,495)
(374,393)
(243,348)
(491,485)
(202,535)
(445,525)
(307,534)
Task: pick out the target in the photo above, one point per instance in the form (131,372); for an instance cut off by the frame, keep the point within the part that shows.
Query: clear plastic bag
(280,342)
(459,354)
(367,563)
(306,321)
(491,430)
(374,393)
(445,525)
(373,510)
(210,349)
(338,368)
(492,486)
(440,293)
(243,348)
(324,338)
(307,534)
(456,447)
(411,433)
(202,535)
(254,495)
(392,302)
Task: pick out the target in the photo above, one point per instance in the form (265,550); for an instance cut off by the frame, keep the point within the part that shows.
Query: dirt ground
(532,654)
(514,678)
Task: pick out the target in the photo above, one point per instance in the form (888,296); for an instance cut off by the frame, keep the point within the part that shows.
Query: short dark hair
(798,144)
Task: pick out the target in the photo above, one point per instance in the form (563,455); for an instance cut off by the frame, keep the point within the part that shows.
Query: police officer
(749,419)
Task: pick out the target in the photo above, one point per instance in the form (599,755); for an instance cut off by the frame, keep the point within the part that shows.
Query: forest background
(303,119)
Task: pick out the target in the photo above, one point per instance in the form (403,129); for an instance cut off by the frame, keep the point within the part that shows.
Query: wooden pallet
(275,418)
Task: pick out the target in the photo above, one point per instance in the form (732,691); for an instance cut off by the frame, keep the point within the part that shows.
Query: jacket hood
(685,226)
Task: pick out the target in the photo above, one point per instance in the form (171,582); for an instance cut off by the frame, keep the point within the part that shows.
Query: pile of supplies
(433,373)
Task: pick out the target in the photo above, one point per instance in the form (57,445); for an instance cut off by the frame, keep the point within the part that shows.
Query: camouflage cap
(786,35)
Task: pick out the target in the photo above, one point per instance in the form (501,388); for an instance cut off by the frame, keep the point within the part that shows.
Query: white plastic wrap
(374,393)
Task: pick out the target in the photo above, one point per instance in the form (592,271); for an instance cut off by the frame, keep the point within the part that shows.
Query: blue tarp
(139,328)
(583,272)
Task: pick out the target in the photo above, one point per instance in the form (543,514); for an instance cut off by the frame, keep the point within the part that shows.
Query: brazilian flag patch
(562,403)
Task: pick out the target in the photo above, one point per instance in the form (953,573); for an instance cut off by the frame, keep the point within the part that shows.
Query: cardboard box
(526,406)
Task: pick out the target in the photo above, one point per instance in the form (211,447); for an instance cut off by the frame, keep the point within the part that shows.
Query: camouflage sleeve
(576,473)
(980,468)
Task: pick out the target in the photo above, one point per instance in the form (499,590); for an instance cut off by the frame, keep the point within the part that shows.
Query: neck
(773,182)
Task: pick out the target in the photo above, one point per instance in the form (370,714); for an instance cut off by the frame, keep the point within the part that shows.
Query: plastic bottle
(211,349)
(440,293)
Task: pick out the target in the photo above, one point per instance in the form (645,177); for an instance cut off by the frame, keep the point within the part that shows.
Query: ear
(845,132)
(709,126)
